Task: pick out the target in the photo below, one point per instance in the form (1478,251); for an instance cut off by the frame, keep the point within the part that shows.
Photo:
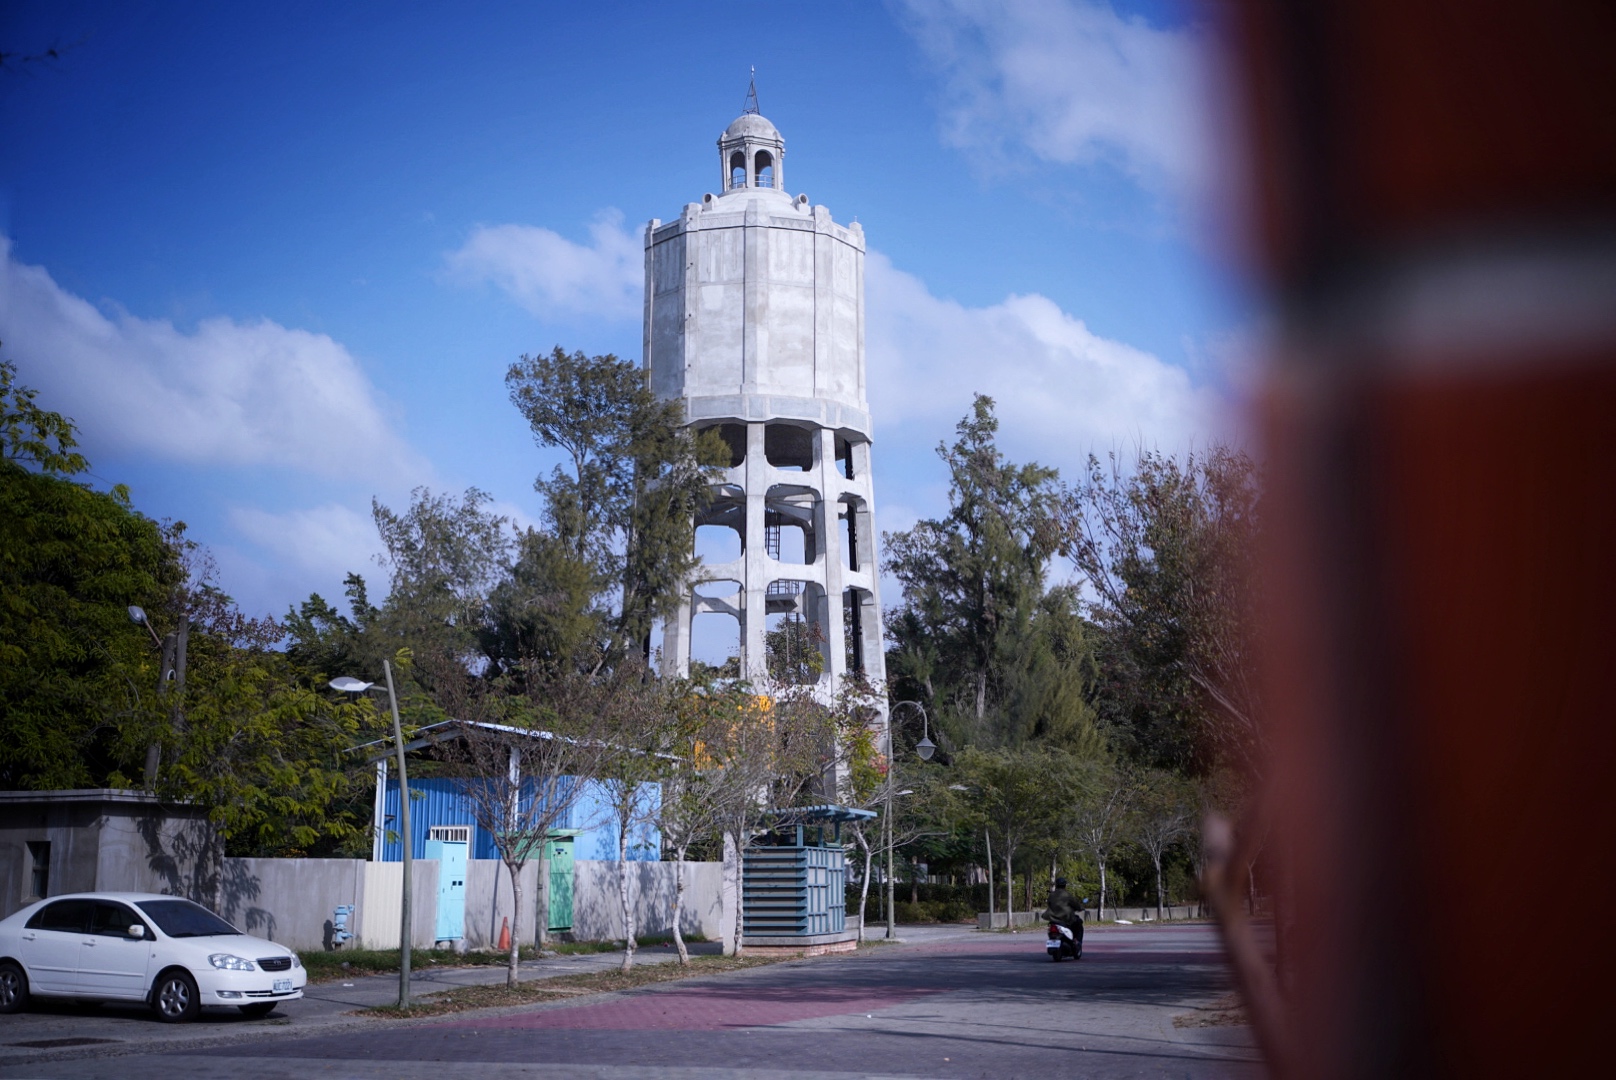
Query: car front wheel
(175,999)
(13,988)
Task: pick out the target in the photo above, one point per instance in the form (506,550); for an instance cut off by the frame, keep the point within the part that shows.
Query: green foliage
(1169,551)
(996,658)
(625,502)
(31,434)
(76,676)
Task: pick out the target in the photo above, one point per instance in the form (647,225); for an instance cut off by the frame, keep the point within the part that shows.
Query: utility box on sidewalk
(794,880)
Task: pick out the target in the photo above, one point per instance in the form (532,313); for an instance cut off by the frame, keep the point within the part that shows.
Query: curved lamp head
(350,685)
(925,748)
(137,615)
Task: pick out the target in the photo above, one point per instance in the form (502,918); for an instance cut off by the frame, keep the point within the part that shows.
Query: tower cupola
(751,152)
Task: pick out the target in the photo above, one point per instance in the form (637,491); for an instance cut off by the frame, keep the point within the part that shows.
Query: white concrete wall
(292,901)
(489,902)
(382,903)
(597,912)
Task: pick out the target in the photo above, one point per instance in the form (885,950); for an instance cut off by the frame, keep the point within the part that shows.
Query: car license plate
(283,986)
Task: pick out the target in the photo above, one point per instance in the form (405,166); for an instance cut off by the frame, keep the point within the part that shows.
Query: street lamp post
(355,686)
(925,748)
(171,670)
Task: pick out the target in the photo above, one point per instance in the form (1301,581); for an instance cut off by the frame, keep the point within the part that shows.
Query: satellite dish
(349,685)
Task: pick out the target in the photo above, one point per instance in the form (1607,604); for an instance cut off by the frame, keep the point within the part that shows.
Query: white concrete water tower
(754,315)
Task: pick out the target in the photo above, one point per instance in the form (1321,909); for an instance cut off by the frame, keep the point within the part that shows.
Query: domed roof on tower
(753,124)
(751,152)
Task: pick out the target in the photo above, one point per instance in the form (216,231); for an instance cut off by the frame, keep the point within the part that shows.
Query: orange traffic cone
(505,935)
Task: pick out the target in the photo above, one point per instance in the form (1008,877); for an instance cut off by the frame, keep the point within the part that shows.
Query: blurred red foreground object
(1435,208)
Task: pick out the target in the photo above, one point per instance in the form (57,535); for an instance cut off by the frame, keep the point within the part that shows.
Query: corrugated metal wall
(440,801)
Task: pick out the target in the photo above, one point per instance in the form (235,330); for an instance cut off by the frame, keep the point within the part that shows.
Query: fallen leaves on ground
(561,987)
(1226,1011)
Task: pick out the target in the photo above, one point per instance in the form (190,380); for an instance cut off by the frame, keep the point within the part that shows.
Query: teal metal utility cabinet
(794,880)
(451,857)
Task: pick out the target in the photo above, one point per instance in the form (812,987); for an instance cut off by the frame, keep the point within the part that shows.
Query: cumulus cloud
(1061,389)
(1070,82)
(227,392)
(550,275)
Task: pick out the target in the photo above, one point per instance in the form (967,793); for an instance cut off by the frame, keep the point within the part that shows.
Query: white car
(163,950)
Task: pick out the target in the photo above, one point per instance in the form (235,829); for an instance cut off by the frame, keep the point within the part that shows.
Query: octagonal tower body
(754,316)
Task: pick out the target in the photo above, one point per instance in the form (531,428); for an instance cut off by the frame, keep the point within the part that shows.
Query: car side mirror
(137,931)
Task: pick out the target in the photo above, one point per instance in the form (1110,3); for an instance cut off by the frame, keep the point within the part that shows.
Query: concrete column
(754,609)
(830,556)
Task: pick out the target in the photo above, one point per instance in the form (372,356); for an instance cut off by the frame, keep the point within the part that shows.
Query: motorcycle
(1062,942)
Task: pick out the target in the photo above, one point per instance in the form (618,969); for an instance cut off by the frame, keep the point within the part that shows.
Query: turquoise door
(451,856)
(558,851)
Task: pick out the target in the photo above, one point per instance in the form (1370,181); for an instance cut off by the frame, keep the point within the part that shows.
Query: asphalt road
(946,1003)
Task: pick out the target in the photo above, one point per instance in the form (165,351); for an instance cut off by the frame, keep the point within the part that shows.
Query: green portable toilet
(558,853)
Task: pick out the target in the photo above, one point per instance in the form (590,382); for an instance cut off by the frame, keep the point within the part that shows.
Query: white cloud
(1061,390)
(320,543)
(226,393)
(1071,82)
(550,275)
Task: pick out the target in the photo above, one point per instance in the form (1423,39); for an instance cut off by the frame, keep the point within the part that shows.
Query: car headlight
(228,962)
(297,961)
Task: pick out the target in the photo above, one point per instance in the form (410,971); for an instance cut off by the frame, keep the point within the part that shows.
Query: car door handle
(28,937)
(90,943)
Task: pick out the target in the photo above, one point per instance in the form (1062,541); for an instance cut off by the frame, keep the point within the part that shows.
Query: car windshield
(181,918)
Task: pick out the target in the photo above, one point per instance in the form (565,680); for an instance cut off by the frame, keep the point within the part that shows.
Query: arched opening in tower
(860,630)
(734,436)
(737,170)
(788,445)
(853,523)
(794,638)
(721,526)
(788,524)
(763,169)
(844,456)
(715,629)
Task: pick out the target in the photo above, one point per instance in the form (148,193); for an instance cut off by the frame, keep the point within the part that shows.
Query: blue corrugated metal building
(440,801)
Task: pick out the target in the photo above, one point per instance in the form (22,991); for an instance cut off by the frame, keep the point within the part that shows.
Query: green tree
(972,579)
(624,502)
(1021,796)
(1169,550)
(77,679)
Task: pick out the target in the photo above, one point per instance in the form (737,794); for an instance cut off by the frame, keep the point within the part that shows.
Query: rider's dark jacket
(1062,908)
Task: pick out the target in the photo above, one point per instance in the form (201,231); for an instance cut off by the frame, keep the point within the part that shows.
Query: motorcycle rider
(1062,909)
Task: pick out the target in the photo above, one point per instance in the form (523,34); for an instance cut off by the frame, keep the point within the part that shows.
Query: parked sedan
(168,952)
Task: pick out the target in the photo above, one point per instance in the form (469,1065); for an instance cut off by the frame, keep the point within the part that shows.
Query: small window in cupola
(765,168)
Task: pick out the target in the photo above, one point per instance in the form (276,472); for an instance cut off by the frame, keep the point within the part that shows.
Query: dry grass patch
(1226,1011)
(561,987)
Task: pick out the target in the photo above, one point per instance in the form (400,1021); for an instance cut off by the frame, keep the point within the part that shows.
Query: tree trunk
(1009,893)
(1101,861)
(1158,888)
(732,892)
(987,838)
(678,903)
(511,978)
(541,933)
(622,892)
(864,881)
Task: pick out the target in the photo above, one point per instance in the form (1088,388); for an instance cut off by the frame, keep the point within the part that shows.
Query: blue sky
(275,259)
